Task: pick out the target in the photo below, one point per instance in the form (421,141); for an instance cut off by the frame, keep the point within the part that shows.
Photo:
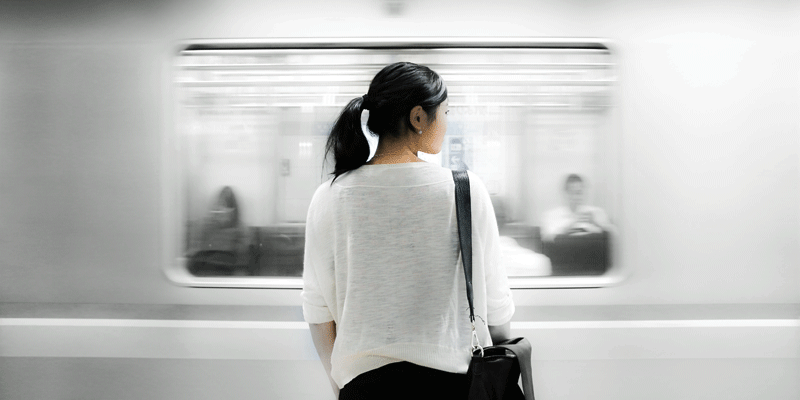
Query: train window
(532,118)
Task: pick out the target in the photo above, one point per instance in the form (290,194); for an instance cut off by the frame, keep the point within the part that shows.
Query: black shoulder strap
(464,216)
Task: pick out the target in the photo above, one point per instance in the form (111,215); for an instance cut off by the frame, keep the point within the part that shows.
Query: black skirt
(404,380)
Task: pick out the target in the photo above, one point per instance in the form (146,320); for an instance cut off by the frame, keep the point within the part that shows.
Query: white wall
(707,117)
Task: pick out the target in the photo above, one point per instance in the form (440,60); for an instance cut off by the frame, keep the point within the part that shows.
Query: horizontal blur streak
(521,118)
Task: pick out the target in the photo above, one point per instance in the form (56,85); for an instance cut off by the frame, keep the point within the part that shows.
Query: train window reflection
(532,121)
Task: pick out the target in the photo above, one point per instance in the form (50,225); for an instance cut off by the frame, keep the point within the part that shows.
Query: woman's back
(386,268)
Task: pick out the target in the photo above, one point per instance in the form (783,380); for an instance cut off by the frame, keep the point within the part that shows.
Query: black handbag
(493,371)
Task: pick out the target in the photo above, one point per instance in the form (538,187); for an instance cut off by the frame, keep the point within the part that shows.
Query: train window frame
(174,178)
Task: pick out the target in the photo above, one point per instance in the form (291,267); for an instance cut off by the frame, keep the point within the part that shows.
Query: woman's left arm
(323,336)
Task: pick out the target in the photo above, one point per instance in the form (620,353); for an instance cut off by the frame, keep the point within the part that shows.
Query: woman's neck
(394,154)
(394,160)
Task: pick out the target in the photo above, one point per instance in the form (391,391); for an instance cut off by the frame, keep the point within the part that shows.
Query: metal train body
(705,120)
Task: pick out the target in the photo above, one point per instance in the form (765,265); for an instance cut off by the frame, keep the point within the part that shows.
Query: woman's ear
(418,117)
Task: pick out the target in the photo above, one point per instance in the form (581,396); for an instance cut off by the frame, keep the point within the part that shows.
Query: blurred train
(128,128)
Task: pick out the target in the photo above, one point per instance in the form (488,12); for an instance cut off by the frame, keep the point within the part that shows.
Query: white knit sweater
(382,260)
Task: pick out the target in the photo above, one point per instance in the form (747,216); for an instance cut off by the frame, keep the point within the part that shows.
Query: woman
(384,291)
(223,244)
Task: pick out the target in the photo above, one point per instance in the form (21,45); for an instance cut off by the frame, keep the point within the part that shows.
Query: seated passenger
(575,218)
(223,245)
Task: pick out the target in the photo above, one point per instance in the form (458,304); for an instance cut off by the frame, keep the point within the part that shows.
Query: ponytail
(347,141)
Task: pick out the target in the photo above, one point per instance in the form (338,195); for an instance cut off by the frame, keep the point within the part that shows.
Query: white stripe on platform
(152,323)
(171,323)
(691,323)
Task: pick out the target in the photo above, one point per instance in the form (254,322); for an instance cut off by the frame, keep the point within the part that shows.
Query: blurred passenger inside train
(384,291)
(577,237)
(223,245)
(575,218)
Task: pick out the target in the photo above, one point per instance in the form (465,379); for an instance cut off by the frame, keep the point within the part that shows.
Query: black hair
(572,178)
(392,94)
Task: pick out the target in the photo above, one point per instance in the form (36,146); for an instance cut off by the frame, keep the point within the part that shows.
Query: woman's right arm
(318,293)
